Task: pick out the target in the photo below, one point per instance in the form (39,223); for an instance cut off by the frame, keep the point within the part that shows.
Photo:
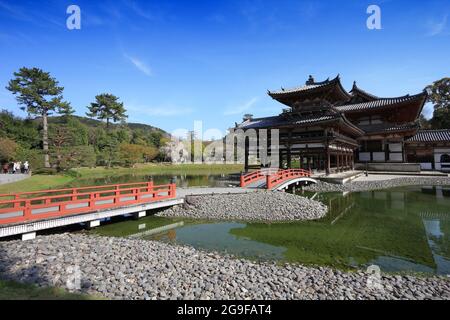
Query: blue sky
(173,62)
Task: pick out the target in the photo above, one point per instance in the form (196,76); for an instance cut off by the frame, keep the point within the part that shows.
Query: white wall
(395,157)
(364,156)
(378,156)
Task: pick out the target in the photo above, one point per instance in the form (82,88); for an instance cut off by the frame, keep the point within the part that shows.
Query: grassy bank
(36,182)
(10,290)
(158,168)
(42,182)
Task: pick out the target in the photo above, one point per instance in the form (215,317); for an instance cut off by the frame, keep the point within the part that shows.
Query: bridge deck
(28,212)
(100,206)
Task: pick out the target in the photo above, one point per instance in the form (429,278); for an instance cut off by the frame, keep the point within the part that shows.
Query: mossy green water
(10,290)
(401,229)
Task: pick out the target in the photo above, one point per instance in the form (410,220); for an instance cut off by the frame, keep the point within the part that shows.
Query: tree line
(52,137)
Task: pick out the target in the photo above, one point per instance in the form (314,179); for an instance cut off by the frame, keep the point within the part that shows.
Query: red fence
(29,206)
(255,176)
(284,175)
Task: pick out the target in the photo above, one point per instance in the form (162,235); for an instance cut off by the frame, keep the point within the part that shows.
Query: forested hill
(97,123)
(76,141)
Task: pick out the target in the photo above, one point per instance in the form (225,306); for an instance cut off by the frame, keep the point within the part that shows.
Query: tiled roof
(389,127)
(431,136)
(279,121)
(356,90)
(379,103)
(306,87)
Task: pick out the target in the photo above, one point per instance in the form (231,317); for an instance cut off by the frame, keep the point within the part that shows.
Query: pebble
(173,272)
(257,206)
(321,186)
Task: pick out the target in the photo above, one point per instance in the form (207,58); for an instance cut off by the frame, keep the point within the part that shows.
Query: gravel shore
(120,268)
(256,206)
(377,184)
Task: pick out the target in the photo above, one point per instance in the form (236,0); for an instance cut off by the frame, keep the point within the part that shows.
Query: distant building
(327,128)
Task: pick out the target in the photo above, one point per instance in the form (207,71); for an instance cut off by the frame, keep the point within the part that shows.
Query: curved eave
(315,87)
(358,131)
(356,91)
(418,98)
(412,130)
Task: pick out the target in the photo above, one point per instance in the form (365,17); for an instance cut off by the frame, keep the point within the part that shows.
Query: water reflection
(182,180)
(400,229)
(217,237)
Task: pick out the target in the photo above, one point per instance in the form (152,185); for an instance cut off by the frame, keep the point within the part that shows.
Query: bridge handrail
(255,176)
(283,175)
(93,201)
(76,190)
(75,195)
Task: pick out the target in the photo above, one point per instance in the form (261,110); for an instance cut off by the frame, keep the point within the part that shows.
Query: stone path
(8,178)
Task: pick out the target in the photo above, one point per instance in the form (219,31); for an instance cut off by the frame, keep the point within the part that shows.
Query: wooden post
(337,161)
(289,144)
(246,143)
(327,171)
(289,162)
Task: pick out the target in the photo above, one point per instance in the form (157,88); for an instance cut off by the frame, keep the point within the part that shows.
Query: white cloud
(139,64)
(144,13)
(159,111)
(241,108)
(437,27)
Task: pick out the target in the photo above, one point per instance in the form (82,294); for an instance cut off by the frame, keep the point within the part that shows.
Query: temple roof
(431,136)
(381,103)
(358,92)
(280,121)
(311,86)
(389,127)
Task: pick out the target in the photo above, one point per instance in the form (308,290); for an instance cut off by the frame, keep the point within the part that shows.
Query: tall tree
(39,94)
(107,107)
(424,122)
(439,95)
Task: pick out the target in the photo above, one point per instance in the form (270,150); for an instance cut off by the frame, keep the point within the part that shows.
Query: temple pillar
(289,157)
(280,161)
(246,143)
(327,165)
(338,167)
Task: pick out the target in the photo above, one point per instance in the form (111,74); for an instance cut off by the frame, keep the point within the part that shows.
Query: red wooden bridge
(26,212)
(275,179)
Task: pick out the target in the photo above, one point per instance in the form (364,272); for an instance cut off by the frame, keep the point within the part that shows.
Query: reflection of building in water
(337,205)
(440,191)
(386,199)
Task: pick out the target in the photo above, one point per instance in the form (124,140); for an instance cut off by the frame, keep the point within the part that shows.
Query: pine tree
(39,94)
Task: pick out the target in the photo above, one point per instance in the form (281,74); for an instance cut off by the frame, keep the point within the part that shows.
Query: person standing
(26,167)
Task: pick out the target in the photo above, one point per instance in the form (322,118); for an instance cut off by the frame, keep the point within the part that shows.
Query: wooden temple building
(326,128)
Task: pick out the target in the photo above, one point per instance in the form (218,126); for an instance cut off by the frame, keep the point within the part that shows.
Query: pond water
(182,180)
(399,229)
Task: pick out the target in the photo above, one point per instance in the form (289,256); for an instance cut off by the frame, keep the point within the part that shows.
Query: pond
(182,180)
(399,229)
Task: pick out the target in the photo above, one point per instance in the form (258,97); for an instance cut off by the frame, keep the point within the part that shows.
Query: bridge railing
(57,203)
(50,192)
(251,177)
(284,175)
